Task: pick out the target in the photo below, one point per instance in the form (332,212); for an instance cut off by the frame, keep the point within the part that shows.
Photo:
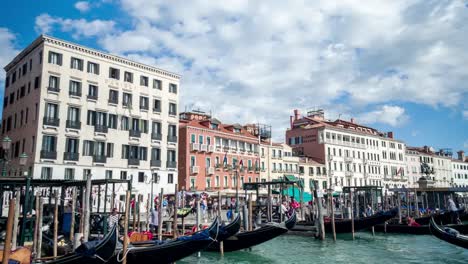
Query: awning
(290,178)
(294,191)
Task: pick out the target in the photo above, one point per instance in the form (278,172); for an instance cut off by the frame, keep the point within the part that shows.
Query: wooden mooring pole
(55,225)
(36,225)
(160,215)
(352,211)
(176,202)
(250,213)
(40,214)
(332,211)
(221,244)
(9,231)
(73,208)
(127,215)
(16,220)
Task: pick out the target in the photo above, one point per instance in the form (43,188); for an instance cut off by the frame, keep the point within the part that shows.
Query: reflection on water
(383,248)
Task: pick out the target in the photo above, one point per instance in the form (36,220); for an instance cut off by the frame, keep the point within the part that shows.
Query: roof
(56,183)
(223,128)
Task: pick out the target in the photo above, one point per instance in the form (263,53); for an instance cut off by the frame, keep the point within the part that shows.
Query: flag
(399,171)
(241,163)
(225,161)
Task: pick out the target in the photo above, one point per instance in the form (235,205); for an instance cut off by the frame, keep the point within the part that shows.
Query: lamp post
(154,179)
(23,158)
(6,144)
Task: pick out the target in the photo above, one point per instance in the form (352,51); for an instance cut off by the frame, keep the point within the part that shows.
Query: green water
(383,248)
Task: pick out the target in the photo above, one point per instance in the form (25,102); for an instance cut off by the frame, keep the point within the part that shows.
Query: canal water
(381,248)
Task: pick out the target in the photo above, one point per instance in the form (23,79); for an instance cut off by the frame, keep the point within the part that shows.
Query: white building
(76,111)
(440,164)
(460,170)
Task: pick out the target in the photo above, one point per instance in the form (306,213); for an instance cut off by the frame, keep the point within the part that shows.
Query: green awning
(290,178)
(294,191)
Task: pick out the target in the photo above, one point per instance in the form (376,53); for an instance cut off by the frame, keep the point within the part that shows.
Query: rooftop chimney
(461,155)
(291,121)
(296,114)
(390,134)
(352,120)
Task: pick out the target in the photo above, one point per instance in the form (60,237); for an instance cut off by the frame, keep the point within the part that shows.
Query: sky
(395,65)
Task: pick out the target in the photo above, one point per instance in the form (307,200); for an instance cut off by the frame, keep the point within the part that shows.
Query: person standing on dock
(113,218)
(453,211)
(154,219)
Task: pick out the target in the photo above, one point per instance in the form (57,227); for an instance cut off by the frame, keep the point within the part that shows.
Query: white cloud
(82,6)
(77,27)
(7,53)
(465,114)
(386,114)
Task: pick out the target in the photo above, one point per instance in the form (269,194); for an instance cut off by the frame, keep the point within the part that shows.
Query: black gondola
(98,252)
(249,239)
(344,225)
(442,217)
(168,251)
(414,230)
(449,235)
(229,229)
(291,222)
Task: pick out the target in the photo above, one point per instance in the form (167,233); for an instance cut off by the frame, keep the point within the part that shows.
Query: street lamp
(6,144)
(23,158)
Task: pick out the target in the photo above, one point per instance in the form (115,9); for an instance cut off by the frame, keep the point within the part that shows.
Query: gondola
(229,229)
(291,221)
(448,235)
(414,230)
(344,225)
(249,239)
(93,252)
(167,251)
(442,217)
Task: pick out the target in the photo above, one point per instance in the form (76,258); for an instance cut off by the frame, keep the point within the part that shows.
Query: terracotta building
(211,154)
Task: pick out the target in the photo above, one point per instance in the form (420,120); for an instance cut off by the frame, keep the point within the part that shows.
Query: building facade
(460,170)
(439,163)
(76,111)
(215,156)
(354,155)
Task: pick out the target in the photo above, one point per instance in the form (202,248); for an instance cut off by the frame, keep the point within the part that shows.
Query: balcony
(348,159)
(194,147)
(46,154)
(330,157)
(72,156)
(171,164)
(193,188)
(92,97)
(51,121)
(210,171)
(203,147)
(113,101)
(218,167)
(156,136)
(210,148)
(156,110)
(172,113)
(349,173)
(134,133)
(133,162)
(172,139)
(144,107)
(53,89)
(194,170)
(73,124)
(74,93)
(155,163)
(100,129)
(99,159)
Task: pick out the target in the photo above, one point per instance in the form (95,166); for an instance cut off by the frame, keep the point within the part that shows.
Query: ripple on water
(365,249)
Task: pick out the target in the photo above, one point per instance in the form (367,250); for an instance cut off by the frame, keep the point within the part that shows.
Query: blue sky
(394,65)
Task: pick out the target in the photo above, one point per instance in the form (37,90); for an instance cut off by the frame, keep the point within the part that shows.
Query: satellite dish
(431,149)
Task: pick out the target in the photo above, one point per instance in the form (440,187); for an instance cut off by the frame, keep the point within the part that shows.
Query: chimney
(352,120)
(390,134)
(461,155)
(291,121)
(296,114)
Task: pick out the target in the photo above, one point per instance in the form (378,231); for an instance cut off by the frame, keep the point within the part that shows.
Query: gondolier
(113,218)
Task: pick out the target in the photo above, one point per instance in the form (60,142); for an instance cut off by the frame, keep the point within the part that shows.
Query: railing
(210,171)
(75,93)
(73,124)
(144,107)
(53,89)
(45,154)
(348,159)
(156,136)
(133,162)
(51,121)
(194,147)
(92,97)
(134,133)
(156,110)
(100,128)
(155,163)
(172,139)
(113,101)
(71,156)
(349,173)
(171,164)
(99,159)
(194,169)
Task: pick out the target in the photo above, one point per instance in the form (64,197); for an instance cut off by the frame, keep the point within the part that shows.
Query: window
(157,84)
(110,150)
(73,114)
(113,96)
(69,174)
(55,58)
(114,73)
(144,103)
(93,68)
(37,82)
(141,176)
(172,109)
(157,105)
(86,173)
(30,64)
(72,145)
(170,178)
(128,77)
(127,100)
(49,143)
(75,88)
(54,83)
(144,81)
(25,68)
(76,64)
(155,154)
(125,123)
(171,156)
(123,175)
(172,130)
(108,174)
(46,173)
(156,128)
(92,92)
(51,111)
(7,82)
(112,121)
(88,148)
(172,88)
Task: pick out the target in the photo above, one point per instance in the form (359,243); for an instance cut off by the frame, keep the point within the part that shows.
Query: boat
(448,234)
(249,239)
(168,251)
(414,230)
(344,225)
(442,217)
(92,252)
(229,229)
(291,221)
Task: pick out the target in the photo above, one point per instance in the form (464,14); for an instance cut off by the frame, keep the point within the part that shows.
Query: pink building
(211,154)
